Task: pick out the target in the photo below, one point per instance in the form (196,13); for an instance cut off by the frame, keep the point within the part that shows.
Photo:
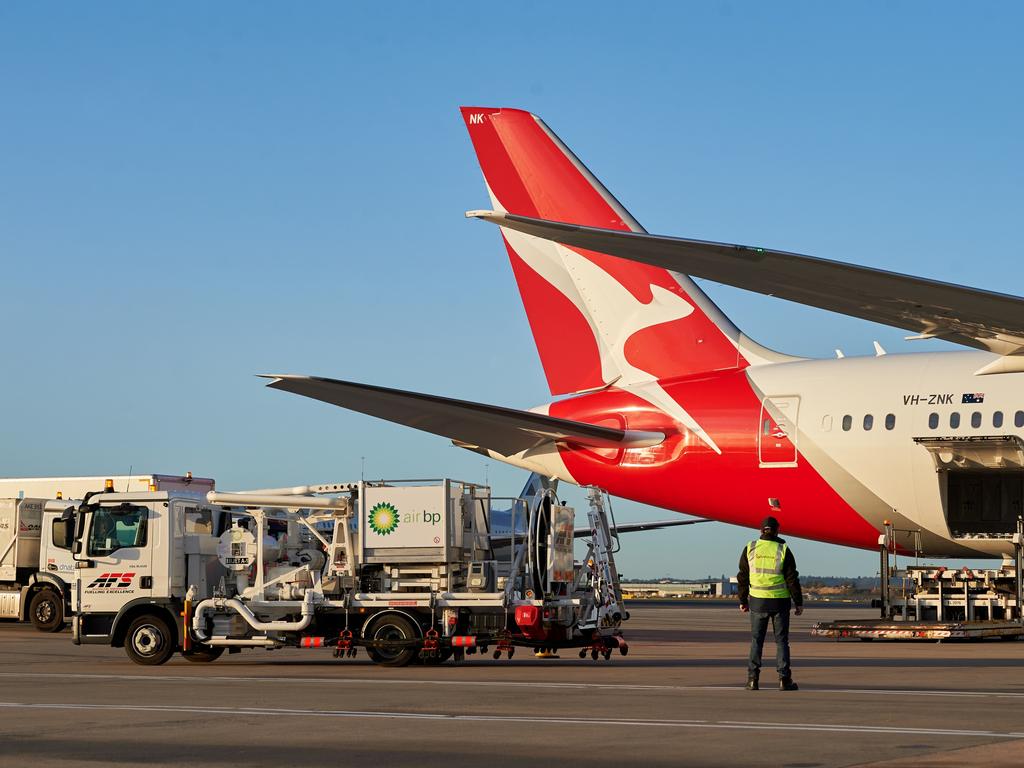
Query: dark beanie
(770,522)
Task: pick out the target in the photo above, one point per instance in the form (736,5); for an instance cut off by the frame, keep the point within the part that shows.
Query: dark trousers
(759,628)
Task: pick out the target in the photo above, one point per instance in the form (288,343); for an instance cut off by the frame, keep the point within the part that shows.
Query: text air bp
(426,517)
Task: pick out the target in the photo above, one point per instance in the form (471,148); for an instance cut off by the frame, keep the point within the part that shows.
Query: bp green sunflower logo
(383,518)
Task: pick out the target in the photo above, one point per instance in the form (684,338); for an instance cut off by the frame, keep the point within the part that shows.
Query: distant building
(724,587)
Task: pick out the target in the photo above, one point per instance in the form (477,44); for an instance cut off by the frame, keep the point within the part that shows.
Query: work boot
(787,684)
(752,682)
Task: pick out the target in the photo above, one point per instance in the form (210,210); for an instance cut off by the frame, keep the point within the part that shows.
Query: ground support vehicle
(937,603)
(34,574)
(407,570)
(75,487)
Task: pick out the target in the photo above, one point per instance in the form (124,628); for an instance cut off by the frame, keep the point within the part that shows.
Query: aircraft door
(777,431)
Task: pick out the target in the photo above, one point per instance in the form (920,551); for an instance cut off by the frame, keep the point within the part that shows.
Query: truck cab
(36,572)
(135,555)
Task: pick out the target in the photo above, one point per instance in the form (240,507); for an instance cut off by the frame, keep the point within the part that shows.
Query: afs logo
(111,582)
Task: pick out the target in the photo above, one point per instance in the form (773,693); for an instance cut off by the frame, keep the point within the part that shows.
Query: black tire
(392,626)
(46,611)
(201,654)
(149,640)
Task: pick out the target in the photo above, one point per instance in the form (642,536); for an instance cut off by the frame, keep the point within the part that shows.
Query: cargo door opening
(984,503)
(982,483)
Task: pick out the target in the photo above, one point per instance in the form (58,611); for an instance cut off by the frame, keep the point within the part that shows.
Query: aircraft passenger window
(826,424)
(976,419)
(847,423)
(954,420)
(933,421)
(997,419)
(869,422)
(1018,419)
(890,420)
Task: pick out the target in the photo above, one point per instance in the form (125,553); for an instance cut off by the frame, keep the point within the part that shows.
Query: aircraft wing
(651,525)
(933,309)
(505,430)
(582,533)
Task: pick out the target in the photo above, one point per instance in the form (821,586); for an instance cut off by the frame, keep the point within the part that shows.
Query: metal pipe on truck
(242,609)
(275,500)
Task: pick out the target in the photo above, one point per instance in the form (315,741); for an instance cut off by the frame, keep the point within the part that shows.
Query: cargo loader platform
(885,629)
(922,602)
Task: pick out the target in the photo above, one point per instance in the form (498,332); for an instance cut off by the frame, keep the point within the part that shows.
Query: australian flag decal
(977,397)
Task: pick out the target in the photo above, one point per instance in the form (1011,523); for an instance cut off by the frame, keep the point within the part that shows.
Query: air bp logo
(383,518)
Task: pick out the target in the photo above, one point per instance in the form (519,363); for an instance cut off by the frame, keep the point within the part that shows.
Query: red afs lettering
(112,581)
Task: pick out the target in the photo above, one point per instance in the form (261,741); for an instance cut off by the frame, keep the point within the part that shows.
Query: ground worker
(769,586)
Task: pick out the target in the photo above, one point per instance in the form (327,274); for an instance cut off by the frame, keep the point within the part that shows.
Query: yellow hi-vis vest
(765,559)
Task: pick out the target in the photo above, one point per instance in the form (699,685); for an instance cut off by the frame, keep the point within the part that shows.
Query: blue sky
(195,193)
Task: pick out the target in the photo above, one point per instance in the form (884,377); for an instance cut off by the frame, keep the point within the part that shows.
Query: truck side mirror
(62,534)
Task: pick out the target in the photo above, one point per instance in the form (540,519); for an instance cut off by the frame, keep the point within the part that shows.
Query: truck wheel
(149,640)
(203,653)
(46,611)
(393,627)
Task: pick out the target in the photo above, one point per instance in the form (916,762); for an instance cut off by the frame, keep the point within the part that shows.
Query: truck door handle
(146,582)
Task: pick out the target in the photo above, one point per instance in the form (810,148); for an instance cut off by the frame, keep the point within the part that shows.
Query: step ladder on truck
(927,602)
(405,570)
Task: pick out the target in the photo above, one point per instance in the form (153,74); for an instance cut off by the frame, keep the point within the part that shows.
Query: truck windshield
(114,528)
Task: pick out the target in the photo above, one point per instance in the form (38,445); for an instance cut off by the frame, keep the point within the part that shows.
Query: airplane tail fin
(597,319)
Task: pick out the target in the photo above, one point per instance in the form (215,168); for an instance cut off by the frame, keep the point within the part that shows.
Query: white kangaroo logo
(614,315)
(618,314)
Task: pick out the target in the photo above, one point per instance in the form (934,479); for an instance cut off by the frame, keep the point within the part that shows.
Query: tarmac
(677,699)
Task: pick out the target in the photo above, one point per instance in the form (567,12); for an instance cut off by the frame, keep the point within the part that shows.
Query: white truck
(34,573)
(75,487)
(407,570)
